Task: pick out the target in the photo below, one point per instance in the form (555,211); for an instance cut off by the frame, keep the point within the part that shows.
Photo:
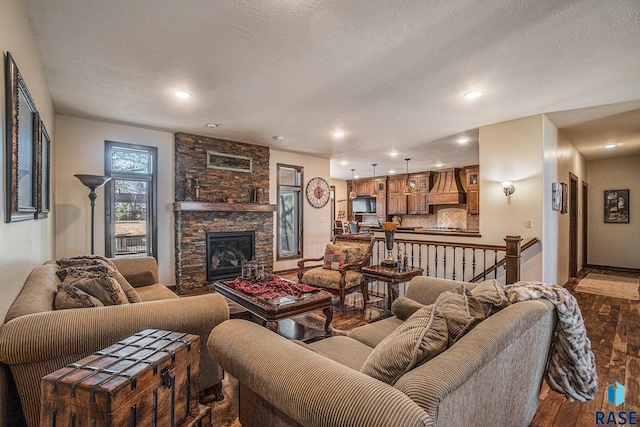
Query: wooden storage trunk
(148,379)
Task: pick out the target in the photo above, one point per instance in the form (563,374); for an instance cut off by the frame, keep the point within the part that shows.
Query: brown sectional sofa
(36,340)
(491,376)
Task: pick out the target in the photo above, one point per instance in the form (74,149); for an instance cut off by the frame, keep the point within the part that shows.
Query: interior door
(585,222)
(573,225)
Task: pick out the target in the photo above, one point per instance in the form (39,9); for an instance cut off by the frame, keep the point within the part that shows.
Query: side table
(391,276)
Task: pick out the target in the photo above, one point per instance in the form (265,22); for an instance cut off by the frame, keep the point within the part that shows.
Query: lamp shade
(93,181)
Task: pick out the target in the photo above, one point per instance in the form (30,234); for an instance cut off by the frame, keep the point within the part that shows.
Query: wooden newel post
(512,257)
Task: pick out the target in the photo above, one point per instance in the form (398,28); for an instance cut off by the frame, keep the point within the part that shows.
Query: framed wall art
(565,198)
(556,196)
(616,206)
(21,136)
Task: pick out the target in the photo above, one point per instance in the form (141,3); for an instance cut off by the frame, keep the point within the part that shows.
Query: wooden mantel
(222,207)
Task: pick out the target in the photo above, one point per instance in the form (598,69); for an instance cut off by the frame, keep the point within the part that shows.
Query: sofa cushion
(141,278)
(491,295)
(100,285)
(373,333)
(420,338)
(155,292)
(323,278)
(346,351)
(462,311)
(69,296)
(334,257)
(404,307)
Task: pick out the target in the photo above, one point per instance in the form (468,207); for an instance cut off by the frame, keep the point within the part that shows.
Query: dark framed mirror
(21,136)
(44,172)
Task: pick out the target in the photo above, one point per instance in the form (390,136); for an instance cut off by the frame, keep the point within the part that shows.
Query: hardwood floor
(613,326)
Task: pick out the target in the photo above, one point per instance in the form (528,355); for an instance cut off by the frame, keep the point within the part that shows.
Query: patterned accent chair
(340,271)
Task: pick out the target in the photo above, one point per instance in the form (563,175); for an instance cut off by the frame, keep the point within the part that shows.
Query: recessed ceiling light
(182,94)
(463,140)
(278,137)
(212,125)
(610,145)
(338,134)
(356,176)
(393,153)
(473,94)
(344,163)
(439,165)
(392,172)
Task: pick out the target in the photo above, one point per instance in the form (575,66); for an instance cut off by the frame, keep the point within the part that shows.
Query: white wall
(512,151)
(340,194)
(316,222)
(560,159)
(614,245)
(24,244)
(81,150)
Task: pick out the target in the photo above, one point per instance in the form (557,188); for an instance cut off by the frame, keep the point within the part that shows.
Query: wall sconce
(508,188)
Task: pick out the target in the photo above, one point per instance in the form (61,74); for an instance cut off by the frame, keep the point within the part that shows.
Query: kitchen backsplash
(444,216)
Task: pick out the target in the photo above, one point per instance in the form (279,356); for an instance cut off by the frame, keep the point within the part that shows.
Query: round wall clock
(318,192)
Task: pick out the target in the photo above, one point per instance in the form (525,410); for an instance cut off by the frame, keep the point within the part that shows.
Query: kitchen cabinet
(473,189)
(364,187)
(396,201)
(418,200)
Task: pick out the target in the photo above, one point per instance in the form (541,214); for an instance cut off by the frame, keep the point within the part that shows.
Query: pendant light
(407,189)
(374,192)
(352,194)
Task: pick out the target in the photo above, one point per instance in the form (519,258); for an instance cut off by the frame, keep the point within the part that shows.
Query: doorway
(573,225)
(585,223)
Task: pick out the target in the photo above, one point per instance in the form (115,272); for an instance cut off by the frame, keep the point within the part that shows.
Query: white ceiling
(390,74)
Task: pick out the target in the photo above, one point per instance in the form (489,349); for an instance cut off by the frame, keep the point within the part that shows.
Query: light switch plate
(528,223)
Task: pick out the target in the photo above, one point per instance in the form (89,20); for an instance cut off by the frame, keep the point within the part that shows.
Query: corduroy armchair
(37,340)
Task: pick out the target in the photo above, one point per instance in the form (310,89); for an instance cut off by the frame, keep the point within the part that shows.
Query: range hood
(448,189)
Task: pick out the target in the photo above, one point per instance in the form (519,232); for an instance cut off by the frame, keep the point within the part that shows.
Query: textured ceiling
(391,75)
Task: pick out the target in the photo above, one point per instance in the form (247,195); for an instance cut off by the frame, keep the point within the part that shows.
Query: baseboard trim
(608,267)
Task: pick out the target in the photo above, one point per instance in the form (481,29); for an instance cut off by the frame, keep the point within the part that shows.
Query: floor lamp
(92,182)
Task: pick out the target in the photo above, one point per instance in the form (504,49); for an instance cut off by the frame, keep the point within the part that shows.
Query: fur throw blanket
(571,367)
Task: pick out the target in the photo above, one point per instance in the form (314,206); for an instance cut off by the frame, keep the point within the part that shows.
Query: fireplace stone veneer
(193,219)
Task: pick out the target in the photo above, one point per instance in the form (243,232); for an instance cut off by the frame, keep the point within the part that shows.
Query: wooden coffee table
(270,311)
(391,276)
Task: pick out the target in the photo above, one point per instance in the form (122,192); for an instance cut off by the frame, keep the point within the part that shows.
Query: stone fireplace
(206,215)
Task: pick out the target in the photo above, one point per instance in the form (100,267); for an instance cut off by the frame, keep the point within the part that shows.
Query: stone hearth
(196,217)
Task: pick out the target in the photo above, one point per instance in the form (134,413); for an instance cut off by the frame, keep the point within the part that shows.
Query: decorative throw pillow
(132,295)
(491,295)
(142,278)
(96,264)
(355,253)
(100,285)
(422,337)
(404,307)
(334,257)
(69,296)
(63,272)
(85,260)
(462,310)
